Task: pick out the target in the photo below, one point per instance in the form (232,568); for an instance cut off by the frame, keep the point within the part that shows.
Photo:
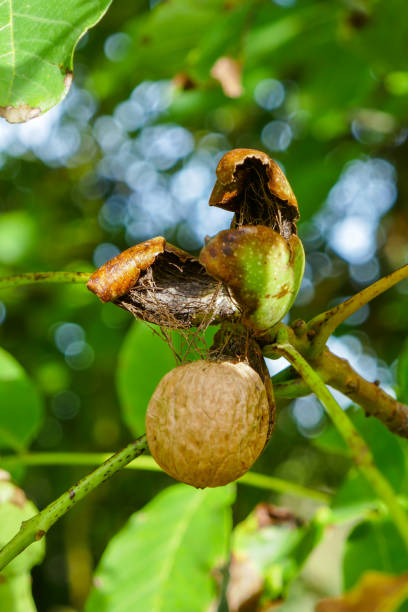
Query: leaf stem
(36,527)
(262,481)
(252,479)
(44,277)
(360,452)
(324,324)
(290,389)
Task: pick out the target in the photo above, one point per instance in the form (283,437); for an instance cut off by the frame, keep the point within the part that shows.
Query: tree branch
(323,325)
(36,527)
(360,452)
(338,373)
(43,277)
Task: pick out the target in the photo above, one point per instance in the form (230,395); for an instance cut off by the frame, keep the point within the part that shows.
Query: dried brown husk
(115,277)
(253,186)
(176,292)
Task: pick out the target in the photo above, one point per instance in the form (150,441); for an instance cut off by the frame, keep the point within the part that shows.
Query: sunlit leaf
(15,594)
(37,42)
(388,456)
(15,508)
(144,359)
(17,235)
(373,545)
(15,579)
(163,558)
(21,407)
(269,549)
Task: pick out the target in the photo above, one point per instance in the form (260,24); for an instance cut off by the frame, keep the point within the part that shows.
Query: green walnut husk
(262,269)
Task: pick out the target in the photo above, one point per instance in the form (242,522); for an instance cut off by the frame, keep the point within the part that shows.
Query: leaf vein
(176,539)
(38,57)
(44,19)
(13,52)
(26,78)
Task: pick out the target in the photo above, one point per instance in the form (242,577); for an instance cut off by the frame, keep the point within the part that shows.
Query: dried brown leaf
(375,592)
(253,186)
(228,71)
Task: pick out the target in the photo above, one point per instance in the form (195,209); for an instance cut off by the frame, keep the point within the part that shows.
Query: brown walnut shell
(207,422)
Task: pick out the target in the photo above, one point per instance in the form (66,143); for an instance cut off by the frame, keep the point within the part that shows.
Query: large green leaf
(37,42)
(373,545)
(15,579)
(388,456)
(162,559)
(15,508)
(21,406)
(144,359)
(273,553)
(15,594)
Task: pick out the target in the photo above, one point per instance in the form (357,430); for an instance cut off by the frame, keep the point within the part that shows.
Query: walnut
(207,422)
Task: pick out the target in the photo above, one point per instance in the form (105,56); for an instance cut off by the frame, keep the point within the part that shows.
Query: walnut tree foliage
(323,89)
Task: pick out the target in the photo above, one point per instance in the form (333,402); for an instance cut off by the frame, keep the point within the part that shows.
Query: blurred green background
(161,90)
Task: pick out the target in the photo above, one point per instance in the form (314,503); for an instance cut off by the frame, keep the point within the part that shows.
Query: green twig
(252,479)
(324,324)
(360,452)
(290,389)
(36,527)
(262,481)
(44,277)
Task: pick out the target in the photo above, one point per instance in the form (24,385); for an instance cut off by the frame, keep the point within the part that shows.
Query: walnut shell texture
(207,422)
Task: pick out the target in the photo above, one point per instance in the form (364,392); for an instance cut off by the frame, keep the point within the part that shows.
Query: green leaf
(15,594)
(388,456)
(163,558)
(15,579)
(373,545)
(143,360)
(17,236)
(15,508)
(274,554)
(21,406)
(37,42)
